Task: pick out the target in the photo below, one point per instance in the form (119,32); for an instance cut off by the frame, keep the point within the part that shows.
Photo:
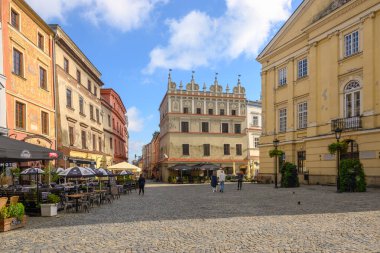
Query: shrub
(54,199)
(4,213)
(352,178)
(333,147)
(16,210)
(289,175)
(275,152)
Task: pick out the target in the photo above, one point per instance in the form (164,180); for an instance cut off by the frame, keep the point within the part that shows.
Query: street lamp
(338,133)
(275,143)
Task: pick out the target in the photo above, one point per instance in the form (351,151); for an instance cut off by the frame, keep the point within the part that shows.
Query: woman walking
(141,183)
(214,182)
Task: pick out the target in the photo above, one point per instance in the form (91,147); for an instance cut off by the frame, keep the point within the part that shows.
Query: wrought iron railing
(352,123)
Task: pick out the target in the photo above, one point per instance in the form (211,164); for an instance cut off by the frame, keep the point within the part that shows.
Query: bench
(261,179)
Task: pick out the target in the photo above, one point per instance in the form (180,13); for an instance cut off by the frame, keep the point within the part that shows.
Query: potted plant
(50,209)
(12,217)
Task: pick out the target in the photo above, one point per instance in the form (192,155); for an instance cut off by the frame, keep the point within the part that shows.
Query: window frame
(205,127)
(66,65)
(71,136)
(282,76)
(282,119)
(84,139)
(15,19)
(79,76)
(20,118)
(233,112)
(226,149)
(302,68)
(92,112)
(185,149)
(44,123)
(43,78)
(210,111)
(255,120)
(221,112)
(206,150)
(69,99)
(81,105)
(199,110)
(222,130)
(239,149)
(302,114)
(256,142)
(354,92)
(18,64)
(40,41)
(185,127)
(89,86)
(351,43)
(237,128)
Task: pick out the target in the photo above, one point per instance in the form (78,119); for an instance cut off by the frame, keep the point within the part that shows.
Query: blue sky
(134,42)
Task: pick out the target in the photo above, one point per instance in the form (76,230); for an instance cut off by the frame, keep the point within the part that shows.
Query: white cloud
(135,121)
(197,39)
(123,15)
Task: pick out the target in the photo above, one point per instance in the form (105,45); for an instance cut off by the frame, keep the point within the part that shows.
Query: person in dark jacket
(141,183)
(214,182)
(240,180)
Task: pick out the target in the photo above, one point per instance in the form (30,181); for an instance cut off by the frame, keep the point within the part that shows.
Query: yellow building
(320,71)
(79,113)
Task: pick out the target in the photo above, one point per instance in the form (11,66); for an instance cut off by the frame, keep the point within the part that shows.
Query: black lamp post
(338,132)
(275,143)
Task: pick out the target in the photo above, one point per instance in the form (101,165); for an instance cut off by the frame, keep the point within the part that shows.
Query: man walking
(240,180)
(141,183)
(222,178)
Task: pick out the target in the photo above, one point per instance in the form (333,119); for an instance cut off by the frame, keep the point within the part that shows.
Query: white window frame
(302,68)
(351,43)
(256,141)
(302,115)
(352,99)
(255,120)
(282,118)
(282,76)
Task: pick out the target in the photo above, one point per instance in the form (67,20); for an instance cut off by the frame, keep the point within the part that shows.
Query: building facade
(79,117)
(203,126)
(118,123)
(108,131)
(320,72)
(253,134)
(28,66)
(151,156)
(3,100)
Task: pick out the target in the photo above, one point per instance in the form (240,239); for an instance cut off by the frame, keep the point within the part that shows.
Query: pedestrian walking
(214,182)
(141,183)
(240,180)
(222,178)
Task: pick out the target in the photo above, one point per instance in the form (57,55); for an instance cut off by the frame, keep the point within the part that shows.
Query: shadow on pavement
(173,202)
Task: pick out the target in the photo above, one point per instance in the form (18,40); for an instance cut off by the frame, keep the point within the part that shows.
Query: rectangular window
(282,76)
(93,142)
(84,139)
(256,142)
(226,149)
(210,111)
(15,19)
(302,115)
(302,68)
(206,149)
(186,110)
(18,65)
(282,120)
(239,150)
(301,157)
(20,115)
(45,123)
(68,98)
(233,112)
(66,65)
(43,81)
(351,42)
(81,105)
(97,116)
(237,128)
(255,121)
(100,143)
(224,127)
(184,127)
(78,76)
(185,149)
(109,120)
(221,112)
(199,111)
(89,86)
(71,136)
(205,127)
(111,143)
(92,112)
(40,41)
(95,91)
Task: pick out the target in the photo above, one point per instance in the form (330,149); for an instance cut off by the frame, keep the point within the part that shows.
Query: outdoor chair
(13,200)
(68,204)
(84,204)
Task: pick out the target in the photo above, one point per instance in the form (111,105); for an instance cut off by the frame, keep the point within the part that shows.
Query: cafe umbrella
(34,171)
(77,172)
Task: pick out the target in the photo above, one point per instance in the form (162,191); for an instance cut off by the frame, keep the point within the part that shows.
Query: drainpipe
(55,93)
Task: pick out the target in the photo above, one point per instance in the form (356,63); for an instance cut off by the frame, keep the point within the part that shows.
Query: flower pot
(11,223)
(48,210)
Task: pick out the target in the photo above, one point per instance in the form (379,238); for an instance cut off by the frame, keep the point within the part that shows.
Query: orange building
(28,66)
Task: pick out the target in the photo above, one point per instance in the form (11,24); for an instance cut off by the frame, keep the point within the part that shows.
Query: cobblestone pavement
(190,218)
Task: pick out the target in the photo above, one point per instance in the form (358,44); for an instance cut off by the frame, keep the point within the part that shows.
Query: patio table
(76,196)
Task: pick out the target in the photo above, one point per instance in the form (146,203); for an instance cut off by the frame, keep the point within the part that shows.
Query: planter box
(49,209)
(11,223)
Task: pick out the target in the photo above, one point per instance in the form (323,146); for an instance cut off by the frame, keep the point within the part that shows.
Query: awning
(12,150)
(124,166)
(79,160)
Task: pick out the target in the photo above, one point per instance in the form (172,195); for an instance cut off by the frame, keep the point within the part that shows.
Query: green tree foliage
(333,147)
(352,178)
(289,175)
(275,152)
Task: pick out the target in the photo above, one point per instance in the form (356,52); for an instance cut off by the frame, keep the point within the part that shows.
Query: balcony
(346,124)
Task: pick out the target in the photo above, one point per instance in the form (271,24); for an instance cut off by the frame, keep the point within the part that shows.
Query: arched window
(352,99)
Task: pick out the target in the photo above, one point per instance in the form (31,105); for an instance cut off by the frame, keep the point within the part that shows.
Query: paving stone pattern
(190,218)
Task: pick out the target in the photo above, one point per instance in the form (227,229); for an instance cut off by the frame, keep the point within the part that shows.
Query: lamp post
(275,143)
(338,132)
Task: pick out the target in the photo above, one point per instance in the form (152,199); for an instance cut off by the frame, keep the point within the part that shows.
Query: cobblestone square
(190,218)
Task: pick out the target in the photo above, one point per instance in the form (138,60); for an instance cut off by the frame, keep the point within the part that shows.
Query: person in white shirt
(222,178)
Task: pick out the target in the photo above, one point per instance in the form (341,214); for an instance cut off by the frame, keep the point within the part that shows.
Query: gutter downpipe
(55,92)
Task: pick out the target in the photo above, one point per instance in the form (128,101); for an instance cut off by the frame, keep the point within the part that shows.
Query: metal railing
(352,123)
